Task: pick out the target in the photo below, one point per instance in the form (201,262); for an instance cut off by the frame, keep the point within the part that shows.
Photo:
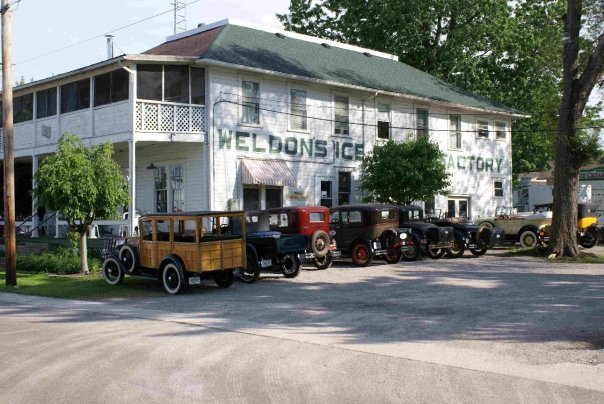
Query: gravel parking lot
(518,317)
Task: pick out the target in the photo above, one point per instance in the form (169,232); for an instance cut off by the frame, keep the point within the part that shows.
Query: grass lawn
(81,287)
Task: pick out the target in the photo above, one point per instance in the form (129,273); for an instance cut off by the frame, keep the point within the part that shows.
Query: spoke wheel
(112,271)
(361,254)
(590,238)
(290,266)
(412,251)
(320,243)
(224,279)
(479,251)
(129,258)
(528,239)
(251,273)
(458,247)
(173,278)
(323,262)
(435,253)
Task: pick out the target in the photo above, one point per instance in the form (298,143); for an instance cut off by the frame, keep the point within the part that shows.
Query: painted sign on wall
(307,147)
(472,163)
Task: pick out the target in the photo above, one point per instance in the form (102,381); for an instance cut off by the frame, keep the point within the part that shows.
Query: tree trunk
(564,221)
(84,251)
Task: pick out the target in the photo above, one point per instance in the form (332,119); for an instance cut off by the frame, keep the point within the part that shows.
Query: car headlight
(403,236)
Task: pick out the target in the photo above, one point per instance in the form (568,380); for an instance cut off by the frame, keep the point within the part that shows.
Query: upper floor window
(170,83)
(500,131)
(111,87)
(341,115)
(75,96)
(250,102)
(421,122)
(498,187)
(23,108)
(46,103)
(454,131)
(176,84)
(298,114)
(383,121)
(482,129)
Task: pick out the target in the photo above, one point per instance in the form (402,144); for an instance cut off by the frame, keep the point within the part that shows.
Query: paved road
(487,329)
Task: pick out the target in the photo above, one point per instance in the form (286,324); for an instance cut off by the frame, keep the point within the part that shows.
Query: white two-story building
(235,116)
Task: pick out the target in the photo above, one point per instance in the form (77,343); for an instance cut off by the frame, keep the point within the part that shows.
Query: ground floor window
(430,208)
(457,207)
(326,194)
(344,187)
(274,198)
(251,198)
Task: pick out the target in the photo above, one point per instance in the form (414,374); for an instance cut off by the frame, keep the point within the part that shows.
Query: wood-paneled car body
(313,223)
(269,250)
(367,231)
(431,239)
(469,236)
(180,249)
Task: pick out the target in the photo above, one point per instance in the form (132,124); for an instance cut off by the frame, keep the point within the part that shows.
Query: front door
(458,207)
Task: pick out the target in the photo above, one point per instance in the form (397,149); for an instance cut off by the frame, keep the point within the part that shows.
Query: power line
(99,36)
(553,130)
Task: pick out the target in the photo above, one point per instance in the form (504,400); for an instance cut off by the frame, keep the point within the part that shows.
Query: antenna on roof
(180,16)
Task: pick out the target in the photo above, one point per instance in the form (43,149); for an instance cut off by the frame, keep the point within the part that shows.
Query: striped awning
(267,172)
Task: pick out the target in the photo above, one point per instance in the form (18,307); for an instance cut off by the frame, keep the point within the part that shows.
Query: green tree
(583,59)
(403,172)
(504,50)
(83,183)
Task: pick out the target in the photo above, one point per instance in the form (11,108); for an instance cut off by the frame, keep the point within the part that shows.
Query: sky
(48,35)
(51,37)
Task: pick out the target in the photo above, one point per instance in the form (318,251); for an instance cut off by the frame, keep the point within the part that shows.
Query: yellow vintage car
(587,226)
(180,249)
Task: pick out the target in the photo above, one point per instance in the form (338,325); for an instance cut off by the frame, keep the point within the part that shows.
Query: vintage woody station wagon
(181,249)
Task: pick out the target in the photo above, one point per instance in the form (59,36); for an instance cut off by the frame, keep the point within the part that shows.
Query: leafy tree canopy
(401,173)
(83,183)
(505,50)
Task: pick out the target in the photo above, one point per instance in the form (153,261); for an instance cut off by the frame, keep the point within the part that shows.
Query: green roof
(239,45)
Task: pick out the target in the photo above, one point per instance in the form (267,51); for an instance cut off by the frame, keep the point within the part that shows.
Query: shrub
(60,261)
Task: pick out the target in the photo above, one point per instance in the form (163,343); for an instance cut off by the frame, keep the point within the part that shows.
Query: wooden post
(10,242)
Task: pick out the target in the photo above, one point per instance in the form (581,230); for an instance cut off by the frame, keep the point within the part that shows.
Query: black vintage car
(365,231)
(271,250)
(469,236)
(431,239)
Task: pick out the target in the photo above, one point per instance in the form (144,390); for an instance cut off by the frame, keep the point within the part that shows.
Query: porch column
(132,185)
(34,209)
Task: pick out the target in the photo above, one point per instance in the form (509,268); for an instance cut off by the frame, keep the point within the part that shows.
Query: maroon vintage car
(313,222)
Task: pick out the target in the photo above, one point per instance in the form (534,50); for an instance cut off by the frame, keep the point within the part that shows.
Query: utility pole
(10,242)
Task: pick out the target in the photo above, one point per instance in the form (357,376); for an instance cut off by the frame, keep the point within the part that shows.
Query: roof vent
(326,45)
(201,24)
(279,35)
(367,54)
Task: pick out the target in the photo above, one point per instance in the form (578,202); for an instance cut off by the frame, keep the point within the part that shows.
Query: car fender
(252,252)
(172,258)
(530,227)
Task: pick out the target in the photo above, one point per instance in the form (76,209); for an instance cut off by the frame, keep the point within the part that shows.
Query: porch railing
(154,116)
